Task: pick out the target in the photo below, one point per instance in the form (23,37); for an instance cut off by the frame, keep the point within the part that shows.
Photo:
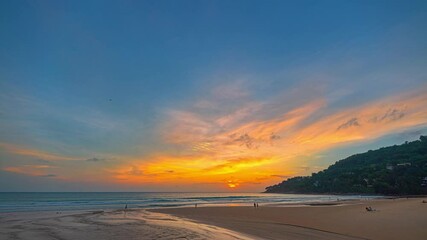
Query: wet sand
(135,224)
(393,219)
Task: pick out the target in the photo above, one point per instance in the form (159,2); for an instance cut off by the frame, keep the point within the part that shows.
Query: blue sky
(132,83)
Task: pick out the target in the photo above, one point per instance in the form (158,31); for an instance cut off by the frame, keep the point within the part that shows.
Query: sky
(209,96)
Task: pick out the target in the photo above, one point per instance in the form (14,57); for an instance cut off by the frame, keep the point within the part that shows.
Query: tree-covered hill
(395,170)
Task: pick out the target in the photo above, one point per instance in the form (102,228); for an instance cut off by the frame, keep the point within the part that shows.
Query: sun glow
(232,184)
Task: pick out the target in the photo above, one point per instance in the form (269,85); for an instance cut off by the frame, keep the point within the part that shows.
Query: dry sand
(394,219)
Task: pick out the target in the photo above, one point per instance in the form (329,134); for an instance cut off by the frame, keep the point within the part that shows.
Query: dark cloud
(43,161)
(393,115)
(350,123)
(280,176)
(96,160)
(274,137)
(244,140)
(48,175)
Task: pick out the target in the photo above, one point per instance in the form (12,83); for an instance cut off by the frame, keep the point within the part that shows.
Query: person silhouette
(125,211)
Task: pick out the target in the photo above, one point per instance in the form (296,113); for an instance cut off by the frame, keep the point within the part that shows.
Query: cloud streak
(31,170)
(96,160)
(19,150)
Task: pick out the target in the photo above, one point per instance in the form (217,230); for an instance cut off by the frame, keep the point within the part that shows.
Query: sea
(64,201)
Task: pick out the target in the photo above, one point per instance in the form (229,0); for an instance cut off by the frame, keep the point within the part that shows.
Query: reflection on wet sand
(132,224)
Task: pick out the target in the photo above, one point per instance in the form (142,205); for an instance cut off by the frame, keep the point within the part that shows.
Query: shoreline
(90,201)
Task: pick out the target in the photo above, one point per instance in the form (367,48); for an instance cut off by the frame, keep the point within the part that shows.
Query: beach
(392,219)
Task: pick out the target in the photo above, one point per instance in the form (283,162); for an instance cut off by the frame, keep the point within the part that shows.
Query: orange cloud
(242,145)
(193,169)
(248,144)
(366,122)
(31,170)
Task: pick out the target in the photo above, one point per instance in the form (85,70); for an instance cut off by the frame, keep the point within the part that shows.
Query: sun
(232,184)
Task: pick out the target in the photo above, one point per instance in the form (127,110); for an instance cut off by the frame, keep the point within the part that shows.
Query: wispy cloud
(366,122)
(31,170)
(352,122)
(96,159)
(15,149)
(49,175)
(280,176)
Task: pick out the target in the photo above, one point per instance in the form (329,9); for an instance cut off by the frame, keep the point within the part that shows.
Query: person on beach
(195,205)
(125,211)
(370,209)
(257,205)
(254,205)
